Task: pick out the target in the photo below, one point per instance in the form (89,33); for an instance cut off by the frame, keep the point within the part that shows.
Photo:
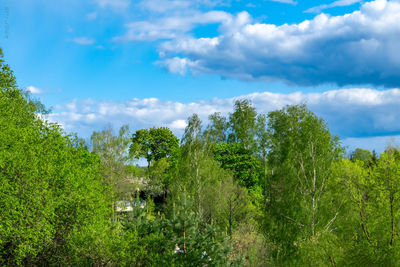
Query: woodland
(246,189)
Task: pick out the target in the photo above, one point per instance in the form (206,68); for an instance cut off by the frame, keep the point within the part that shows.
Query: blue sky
(155,62)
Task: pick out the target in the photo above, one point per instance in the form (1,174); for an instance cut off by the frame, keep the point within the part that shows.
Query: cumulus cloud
(34,90)
(356,48)
(83,40)
(318,9)
(170,27)
(350,113)
(178,125)
(85,116)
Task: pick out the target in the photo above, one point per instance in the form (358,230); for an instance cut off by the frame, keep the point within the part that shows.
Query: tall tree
(113,151)
(301,152)
(193,161)
(53,207)
(242,124)
(216,131)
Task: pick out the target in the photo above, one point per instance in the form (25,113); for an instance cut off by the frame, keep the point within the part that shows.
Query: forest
(247,189)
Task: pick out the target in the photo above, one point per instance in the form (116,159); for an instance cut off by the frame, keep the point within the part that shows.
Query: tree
(7,78)
(154,144)
(301,152)
(362,155)
(234,204)
(197,171)
(54,206)
(216,131)
(115,158)
(242,123)
(366,230)
(245,167)
(198,245)
(112,148)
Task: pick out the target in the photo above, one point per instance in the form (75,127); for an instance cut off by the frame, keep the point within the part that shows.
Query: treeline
(248,189)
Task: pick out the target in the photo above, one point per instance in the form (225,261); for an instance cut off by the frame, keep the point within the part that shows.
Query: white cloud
(178,125)
(170,27)
(177,65)
(161,6)
(34,90)
(116,4)
(351,113)
(85,116)
(292,2)
(318,9)
(83,40)
(176,6)
(357,48)
(91,16)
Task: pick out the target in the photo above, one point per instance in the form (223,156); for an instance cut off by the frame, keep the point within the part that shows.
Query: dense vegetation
(244,190)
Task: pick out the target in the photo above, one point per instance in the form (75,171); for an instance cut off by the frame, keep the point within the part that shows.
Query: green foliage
(216,131)
(114,154)
(216,197)
(250,244)
(158,182)
(200,176)
(196,245)
(111,148)
(160,147)
(362,155)
(234,205)
(235,157)
(243,125)
(178,240)
(367,229)
(7,78)
(53,202)
(154,144)
(301,152)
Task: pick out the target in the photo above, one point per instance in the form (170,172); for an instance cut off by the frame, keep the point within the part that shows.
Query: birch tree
(301,152)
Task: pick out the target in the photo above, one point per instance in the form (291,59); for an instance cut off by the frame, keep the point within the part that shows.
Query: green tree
(154,144)
(196,245)
(301,152)
(361,155)
(235,157)
(113,151)
(160,147)
(216,131)
(54,208)
(234,205)
(197,171)
(367,225)
(242,123)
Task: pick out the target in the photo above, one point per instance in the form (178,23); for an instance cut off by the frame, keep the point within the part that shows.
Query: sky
(147,63)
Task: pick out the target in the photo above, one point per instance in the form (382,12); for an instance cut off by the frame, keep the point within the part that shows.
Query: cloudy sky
(156,62)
